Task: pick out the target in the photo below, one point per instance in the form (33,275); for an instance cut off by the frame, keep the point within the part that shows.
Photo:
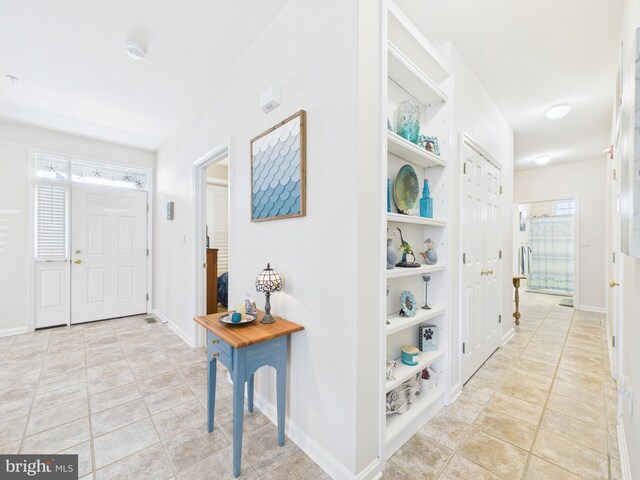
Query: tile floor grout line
(37,381)
(553,379)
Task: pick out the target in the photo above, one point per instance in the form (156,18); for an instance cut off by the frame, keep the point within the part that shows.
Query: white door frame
(467,140)
(200,221)
(576,239)
(31,264)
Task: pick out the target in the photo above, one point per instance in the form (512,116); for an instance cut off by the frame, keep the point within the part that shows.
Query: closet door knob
(613,283)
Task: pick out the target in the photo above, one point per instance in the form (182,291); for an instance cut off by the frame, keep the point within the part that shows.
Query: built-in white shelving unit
(415,70)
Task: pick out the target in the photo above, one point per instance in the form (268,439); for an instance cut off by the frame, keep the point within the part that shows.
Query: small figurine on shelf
(406,250)
(392,256)
(425,382)
(391,366)
(426,202)
(430,256)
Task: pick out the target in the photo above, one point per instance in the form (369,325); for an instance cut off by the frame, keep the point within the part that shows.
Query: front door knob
(77,261)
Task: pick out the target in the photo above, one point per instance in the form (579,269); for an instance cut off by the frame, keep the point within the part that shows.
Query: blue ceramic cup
(236,317)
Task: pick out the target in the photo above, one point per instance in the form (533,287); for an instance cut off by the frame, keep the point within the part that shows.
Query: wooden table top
(239,336)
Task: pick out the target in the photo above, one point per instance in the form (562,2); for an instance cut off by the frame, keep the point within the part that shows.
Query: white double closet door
(481,230)
(108,252)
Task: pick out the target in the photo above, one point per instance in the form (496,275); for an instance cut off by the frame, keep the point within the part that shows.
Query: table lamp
(268,281)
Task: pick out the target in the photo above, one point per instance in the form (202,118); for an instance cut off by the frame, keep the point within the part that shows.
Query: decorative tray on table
(248,318)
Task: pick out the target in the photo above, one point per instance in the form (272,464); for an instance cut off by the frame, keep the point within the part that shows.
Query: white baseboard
(8,332)
(455,392)
(372,472)
(507,336)
(316,452)
(181,333)
(590,308)
(625,462)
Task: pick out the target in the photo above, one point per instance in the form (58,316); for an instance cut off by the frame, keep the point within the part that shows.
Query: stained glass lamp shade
(268,281)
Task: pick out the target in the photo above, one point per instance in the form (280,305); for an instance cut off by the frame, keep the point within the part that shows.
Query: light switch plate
(182,239)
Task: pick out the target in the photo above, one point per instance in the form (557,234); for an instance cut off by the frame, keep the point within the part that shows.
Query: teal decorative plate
(407,190)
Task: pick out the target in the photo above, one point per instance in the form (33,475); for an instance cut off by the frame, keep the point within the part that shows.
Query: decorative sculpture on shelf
(426,202)
(430,256)
(406,250)
(392,256)
(408,120)
(391,366)
(426,279)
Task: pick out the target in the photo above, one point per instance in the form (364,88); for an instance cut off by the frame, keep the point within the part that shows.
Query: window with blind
(51,222)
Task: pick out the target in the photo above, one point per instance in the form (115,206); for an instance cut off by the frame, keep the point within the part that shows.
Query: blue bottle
(426,202)
(388,195)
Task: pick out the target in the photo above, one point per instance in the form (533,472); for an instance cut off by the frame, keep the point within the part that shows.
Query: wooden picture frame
(279,170)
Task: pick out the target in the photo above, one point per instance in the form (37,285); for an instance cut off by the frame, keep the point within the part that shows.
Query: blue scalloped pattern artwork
(276,185)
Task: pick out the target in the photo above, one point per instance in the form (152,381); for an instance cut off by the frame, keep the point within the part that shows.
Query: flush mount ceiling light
(542,159)
(558,111)
(135,50)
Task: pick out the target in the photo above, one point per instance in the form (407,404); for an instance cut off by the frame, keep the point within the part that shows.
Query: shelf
(401,218)
(415,82)
(417,415)
(409,39)
(421,270)
(399,322)
(411,152)
(404,372)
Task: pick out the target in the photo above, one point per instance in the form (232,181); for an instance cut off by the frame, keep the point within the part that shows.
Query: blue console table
(243,349)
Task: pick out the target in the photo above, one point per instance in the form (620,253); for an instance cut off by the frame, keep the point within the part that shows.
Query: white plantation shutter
(51,222)
(218,224)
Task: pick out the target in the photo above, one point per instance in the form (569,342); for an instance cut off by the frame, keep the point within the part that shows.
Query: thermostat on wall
(169,210)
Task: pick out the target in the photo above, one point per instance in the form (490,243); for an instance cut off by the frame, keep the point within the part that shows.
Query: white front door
(108,252)
(480,269)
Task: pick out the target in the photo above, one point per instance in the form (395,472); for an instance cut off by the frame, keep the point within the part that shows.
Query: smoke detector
(135,50)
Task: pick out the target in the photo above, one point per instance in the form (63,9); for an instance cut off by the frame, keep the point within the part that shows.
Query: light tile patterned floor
(543,407)
(128,396)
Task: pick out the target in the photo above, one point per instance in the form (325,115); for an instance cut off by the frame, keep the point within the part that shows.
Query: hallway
(542,407)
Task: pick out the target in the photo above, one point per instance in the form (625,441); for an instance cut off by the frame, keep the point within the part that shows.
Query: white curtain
(552,254)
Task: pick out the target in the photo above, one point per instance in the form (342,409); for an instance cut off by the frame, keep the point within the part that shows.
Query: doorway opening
(211,239)
(545,247)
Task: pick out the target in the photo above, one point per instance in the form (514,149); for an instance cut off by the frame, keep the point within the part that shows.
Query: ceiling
(531,55)
(75,75)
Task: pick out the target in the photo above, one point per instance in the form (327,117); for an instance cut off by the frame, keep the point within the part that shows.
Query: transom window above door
(57,168)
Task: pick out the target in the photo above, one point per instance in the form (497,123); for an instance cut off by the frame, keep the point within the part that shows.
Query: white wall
(475,113)
(585,181)
(311,51)
(630,280)
(15,142)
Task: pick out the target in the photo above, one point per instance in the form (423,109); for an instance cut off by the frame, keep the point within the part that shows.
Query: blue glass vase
(426,202)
